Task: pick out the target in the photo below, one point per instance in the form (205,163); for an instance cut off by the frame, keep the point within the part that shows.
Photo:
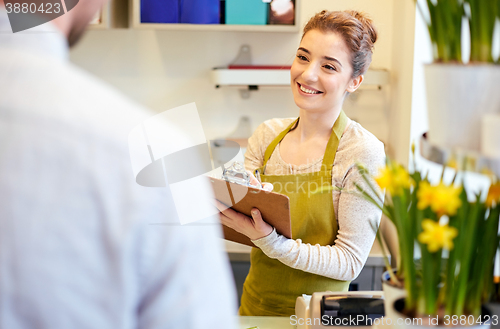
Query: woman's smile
(307,90)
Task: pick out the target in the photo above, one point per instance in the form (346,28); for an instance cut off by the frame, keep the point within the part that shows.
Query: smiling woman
(304,157)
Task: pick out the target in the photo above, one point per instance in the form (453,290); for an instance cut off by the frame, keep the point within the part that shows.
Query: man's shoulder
(98,99)
(57,92)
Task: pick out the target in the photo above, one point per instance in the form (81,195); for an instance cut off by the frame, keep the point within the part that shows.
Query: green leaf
(445,28)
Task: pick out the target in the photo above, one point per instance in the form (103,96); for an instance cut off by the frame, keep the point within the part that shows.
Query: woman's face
(321,72)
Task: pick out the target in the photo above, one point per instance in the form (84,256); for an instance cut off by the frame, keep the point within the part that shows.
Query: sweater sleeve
(358,222)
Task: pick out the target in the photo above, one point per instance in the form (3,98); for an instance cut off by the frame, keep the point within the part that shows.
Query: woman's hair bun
(366,22)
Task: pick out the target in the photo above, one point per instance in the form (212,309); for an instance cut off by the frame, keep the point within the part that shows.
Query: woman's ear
(355,83)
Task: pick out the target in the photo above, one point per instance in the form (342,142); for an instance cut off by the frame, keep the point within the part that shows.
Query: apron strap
(275,142)
(333,143)
(331,148)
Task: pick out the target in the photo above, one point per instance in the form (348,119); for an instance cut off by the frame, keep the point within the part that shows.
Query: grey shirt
(82,245)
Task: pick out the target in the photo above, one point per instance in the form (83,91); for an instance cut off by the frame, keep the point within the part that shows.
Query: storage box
(282,12)
(199,11)
(180,11)
(159,11)
(248,12)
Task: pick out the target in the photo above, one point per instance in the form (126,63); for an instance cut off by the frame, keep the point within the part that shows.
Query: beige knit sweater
(356,217)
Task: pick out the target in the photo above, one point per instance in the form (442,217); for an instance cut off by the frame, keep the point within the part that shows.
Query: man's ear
(355,83)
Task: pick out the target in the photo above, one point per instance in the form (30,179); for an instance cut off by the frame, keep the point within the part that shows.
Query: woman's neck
(316,125)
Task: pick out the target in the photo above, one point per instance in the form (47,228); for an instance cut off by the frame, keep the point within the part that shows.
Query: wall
(164,69)
(402,69)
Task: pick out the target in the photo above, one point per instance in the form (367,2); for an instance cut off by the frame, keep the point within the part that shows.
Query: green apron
(271,287)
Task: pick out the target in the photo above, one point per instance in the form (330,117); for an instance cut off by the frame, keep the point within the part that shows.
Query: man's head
(74,22)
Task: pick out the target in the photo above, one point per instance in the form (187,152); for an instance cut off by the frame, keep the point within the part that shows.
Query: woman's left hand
(253,227)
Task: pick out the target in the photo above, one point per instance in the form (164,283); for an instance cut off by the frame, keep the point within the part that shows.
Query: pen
(257,175)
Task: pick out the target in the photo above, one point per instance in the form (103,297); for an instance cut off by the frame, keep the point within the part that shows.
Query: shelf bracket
(244,56)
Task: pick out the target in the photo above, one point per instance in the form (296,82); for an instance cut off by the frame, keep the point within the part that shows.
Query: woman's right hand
(255,182)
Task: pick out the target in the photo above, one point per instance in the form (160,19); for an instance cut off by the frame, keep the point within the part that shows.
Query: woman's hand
(255,182)
(253,227)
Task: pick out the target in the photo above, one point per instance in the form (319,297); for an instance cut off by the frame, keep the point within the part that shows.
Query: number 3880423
(33,8)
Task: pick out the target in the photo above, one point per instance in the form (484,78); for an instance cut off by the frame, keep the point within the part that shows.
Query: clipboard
(274,207)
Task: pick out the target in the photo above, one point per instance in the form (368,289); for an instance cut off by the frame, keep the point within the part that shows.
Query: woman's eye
(302,57)
(329,67)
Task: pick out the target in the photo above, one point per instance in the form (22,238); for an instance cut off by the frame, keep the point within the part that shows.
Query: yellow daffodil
(394,178)
(437,236)
(425,194)
(443,200)
(493,197)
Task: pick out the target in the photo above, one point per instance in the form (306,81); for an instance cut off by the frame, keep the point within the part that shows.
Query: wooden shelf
(217,27)
(135,22)
(263,77)
(226,77)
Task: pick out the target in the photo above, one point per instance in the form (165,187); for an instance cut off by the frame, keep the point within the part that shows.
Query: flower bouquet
(456,237)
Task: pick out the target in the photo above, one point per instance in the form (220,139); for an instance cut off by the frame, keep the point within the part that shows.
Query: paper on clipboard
(274,207)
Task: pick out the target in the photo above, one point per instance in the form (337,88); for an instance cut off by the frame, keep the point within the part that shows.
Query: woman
(304,158)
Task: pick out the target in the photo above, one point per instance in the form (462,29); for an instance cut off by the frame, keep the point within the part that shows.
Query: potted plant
(460,92)
(455,235)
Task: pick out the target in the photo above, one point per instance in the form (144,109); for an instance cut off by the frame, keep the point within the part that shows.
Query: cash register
(349,308)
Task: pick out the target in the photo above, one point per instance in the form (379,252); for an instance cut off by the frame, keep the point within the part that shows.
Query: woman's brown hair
(357,31)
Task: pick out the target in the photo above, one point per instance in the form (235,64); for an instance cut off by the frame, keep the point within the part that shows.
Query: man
(78,244)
